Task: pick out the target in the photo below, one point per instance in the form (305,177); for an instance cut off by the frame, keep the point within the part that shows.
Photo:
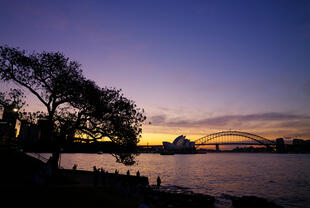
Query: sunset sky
(196,67)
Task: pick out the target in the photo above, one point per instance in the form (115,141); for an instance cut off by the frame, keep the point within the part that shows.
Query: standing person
(128,173)
(158,181)
(138,173)
(96,172)
(103,178)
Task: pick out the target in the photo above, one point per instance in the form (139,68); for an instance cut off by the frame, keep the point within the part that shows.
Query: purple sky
(196,67)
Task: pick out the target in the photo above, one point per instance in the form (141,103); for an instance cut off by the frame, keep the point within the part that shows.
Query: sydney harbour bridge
(226,138)
(233,138)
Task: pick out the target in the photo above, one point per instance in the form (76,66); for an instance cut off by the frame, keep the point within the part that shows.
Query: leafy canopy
(73,103)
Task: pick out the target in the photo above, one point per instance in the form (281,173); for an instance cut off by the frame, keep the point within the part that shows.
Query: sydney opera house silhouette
(180,143)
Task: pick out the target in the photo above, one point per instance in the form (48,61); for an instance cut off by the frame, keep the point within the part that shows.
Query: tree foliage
(47,75)
(125,158)
(73,103)
(107,113)
(15,98)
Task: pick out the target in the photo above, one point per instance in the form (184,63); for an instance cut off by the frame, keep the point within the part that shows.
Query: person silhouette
(95,179)
(103,178)
(138,174)
(158,181)
(128,173)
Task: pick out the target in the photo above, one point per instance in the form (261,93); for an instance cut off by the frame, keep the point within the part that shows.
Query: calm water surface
(283,178)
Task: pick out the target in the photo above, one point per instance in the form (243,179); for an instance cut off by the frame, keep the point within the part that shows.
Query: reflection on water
(283,178)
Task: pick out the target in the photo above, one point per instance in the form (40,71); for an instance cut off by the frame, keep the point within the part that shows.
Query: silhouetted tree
(10,104)
(15,98)
(50,76)
(73,103)
(126,158)
(102,113)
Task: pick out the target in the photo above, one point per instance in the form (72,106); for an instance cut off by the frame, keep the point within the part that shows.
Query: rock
(179,200)
(253,202)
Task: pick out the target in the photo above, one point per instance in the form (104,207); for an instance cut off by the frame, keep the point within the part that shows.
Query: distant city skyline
(196,67)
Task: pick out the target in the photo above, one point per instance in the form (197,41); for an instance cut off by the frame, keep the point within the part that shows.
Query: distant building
(44,132)
(180,143)
(6,131)
(8,124)
(35,137)
(298,141)
(280,145)
(299,146)
(28,134)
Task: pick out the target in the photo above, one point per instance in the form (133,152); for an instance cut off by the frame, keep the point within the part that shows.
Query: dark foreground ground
(23,182)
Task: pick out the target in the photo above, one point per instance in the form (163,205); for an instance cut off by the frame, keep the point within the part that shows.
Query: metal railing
(37,156)
(42,158)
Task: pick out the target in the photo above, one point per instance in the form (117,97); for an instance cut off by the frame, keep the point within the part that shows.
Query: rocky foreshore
(253,202)
(161,199)
(137,188)
(23,176)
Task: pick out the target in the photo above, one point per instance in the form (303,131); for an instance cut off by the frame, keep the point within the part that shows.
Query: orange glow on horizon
(149,138)
(159,138)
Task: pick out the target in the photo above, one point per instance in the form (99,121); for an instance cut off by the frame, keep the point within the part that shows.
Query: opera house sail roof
(180,143)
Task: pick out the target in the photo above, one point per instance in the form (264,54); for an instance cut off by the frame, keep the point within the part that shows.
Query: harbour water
(282,178)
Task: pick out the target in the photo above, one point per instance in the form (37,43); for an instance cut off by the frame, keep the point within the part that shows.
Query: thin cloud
(306,88)
(284,120)
(158,119)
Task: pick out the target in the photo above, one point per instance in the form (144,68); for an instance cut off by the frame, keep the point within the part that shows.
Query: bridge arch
(215,138)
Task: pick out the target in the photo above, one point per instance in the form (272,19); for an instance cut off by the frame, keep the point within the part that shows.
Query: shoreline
(125,191)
